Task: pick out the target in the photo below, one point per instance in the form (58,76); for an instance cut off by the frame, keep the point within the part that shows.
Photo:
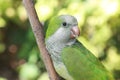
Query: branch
(38,32)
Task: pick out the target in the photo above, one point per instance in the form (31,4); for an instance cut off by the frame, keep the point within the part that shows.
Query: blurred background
(99,22)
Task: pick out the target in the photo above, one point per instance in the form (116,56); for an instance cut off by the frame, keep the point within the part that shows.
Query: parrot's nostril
(75,32)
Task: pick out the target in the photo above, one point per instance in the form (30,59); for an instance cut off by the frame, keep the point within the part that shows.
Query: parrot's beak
(75,32)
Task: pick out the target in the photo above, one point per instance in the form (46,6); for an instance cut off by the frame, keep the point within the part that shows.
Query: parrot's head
(63,28)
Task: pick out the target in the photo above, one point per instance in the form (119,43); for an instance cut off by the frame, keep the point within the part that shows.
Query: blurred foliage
(99,22)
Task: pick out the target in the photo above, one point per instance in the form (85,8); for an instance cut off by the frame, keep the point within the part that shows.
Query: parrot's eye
(64,24)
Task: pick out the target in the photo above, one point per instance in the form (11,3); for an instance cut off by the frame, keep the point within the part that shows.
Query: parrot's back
(83,65)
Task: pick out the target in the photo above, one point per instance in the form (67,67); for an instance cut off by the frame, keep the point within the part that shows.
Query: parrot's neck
(55,45)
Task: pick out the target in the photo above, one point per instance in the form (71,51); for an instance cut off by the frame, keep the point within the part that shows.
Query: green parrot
(72,61)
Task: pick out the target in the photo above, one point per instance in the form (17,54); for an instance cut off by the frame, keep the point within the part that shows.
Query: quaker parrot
(72,61)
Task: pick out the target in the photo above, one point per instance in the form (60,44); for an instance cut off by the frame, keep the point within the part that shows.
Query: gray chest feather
(55,50)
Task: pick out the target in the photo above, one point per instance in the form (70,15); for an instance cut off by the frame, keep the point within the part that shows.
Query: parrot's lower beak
(75,32)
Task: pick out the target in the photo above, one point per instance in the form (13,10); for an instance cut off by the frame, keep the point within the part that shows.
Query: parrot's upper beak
(75,32)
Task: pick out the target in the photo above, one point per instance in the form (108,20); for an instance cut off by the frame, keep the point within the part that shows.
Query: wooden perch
(38,32)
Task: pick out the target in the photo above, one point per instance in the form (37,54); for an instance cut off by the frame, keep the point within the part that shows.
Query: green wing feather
(83,65)
(54,24)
